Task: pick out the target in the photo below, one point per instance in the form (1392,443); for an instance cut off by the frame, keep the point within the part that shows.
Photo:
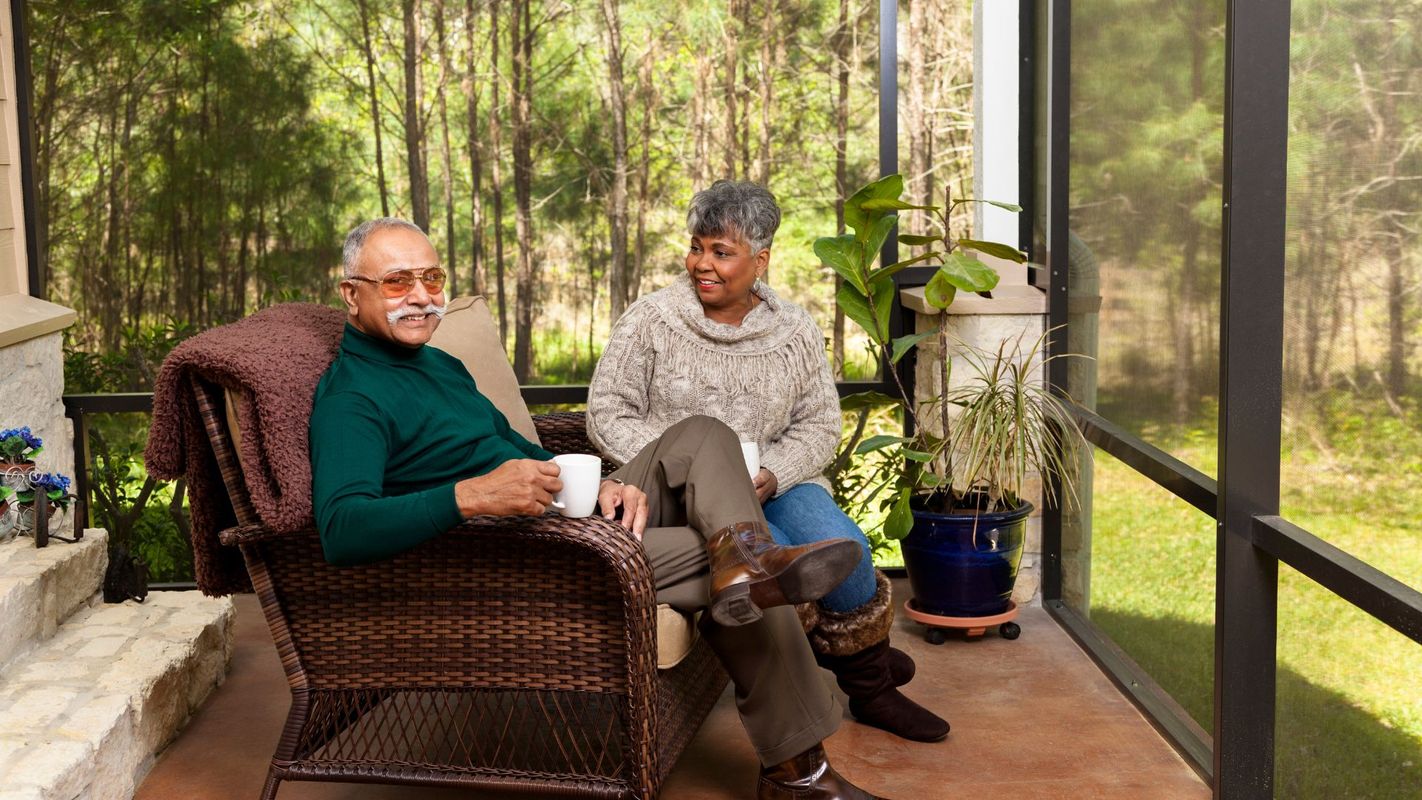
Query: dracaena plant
(1009,427)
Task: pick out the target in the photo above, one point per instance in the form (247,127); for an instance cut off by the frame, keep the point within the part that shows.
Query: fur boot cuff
(809,614)
(843,633)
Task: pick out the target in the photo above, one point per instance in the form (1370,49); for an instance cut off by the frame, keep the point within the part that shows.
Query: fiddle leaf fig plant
(1009,425)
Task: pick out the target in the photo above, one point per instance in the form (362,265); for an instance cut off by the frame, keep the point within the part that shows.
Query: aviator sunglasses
(402,281)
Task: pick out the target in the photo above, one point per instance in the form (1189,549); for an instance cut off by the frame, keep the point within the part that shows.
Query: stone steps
(41,587)
(83,713)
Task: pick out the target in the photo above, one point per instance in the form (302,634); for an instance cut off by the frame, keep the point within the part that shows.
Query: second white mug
(751,452)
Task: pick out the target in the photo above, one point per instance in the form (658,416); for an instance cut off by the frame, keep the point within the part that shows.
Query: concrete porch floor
(1032,718)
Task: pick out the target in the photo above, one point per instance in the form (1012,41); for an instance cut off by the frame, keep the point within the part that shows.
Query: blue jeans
(807,514)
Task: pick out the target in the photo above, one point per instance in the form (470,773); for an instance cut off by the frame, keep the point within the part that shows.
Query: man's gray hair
(355,240)
(731,208)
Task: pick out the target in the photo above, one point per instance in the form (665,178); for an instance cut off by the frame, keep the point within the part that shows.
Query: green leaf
(843,254)
(878,234)
(856,307)
(892,204)
(916,455)
(900,519)
(886,188)
(1013,207)
(998,249)
(854,402)
(879,442)
(940,291)
(968,273)
(881,291)
(904,343)
(916,240)
(899,266)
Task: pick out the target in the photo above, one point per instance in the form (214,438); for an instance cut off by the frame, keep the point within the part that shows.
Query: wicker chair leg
(269,790)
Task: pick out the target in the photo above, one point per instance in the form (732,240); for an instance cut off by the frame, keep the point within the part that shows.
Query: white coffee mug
(750,451)
(581,475)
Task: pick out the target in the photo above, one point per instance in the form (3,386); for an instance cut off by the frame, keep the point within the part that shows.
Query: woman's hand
(765,485)
(632,500)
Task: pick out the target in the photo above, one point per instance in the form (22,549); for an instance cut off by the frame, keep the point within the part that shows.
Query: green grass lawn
(1349,694)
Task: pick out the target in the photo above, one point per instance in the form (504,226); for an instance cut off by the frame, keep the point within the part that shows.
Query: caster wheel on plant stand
(973,627)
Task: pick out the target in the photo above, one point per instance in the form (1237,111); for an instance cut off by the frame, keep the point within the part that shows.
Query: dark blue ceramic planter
(964,565)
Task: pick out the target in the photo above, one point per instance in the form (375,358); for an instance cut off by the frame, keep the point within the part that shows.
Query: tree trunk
(496,156)
(731,47)
(761,172)
(414,127)
(363,6)
(646,89)
(841,48)
(451,259)
(701,123)
(915,110)
(476,166)
(521,41)
(617,196)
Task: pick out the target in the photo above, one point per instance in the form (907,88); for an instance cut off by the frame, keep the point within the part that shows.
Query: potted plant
(954,488)
(18,448)
(18,505)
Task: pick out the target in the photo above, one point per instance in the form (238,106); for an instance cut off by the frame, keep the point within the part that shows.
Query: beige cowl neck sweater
(768,379)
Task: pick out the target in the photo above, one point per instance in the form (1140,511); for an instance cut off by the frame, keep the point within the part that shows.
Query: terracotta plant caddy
(973,627)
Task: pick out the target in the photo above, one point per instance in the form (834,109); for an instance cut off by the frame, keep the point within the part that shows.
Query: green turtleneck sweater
(393,429)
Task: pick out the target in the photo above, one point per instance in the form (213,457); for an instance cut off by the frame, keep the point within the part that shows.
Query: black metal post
(889,108)
(1251,372)
(24,102)
(81,469)
(41,517)
(1026,124)
(1058,220)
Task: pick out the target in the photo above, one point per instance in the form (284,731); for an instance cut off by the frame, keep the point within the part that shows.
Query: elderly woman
(719,342)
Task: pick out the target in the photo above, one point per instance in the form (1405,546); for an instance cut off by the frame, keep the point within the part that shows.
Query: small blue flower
(50,481)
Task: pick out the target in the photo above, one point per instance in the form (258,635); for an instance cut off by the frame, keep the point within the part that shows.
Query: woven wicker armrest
(604,538)
(248,534)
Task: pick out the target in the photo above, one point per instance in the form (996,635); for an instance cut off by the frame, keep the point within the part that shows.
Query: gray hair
(355,240)
(735,208)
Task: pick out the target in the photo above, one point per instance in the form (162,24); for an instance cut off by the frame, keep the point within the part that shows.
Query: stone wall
(31,384)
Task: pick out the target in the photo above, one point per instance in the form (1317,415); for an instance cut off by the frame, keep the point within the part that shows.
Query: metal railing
(1237,756)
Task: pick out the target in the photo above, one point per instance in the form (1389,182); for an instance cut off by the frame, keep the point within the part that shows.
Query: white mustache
(414,311)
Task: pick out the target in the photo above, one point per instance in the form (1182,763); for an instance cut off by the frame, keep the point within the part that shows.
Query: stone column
(32,379)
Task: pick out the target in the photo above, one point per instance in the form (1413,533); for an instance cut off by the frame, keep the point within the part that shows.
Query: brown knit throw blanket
(273,360)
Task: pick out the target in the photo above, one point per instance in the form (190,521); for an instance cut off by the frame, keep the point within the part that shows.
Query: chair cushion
(468,332)
(676,633)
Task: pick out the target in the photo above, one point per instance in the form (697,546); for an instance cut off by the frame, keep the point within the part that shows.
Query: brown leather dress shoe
(808,776)
(750,572)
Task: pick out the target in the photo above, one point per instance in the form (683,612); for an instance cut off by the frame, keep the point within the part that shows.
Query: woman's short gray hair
(355,240)
(738,208)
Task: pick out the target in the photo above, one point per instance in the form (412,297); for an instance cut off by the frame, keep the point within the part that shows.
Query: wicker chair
(511,654)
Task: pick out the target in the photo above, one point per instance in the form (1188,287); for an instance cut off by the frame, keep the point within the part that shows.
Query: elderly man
(404,447)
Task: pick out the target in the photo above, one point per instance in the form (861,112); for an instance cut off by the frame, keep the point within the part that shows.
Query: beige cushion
(468,332)
(676,633)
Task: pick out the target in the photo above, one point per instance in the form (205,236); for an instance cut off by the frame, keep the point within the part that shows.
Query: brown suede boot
(808,776)
(901,666)
(750,572)
(854,645)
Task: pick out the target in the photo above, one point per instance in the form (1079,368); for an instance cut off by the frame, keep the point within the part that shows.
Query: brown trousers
(696,483)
